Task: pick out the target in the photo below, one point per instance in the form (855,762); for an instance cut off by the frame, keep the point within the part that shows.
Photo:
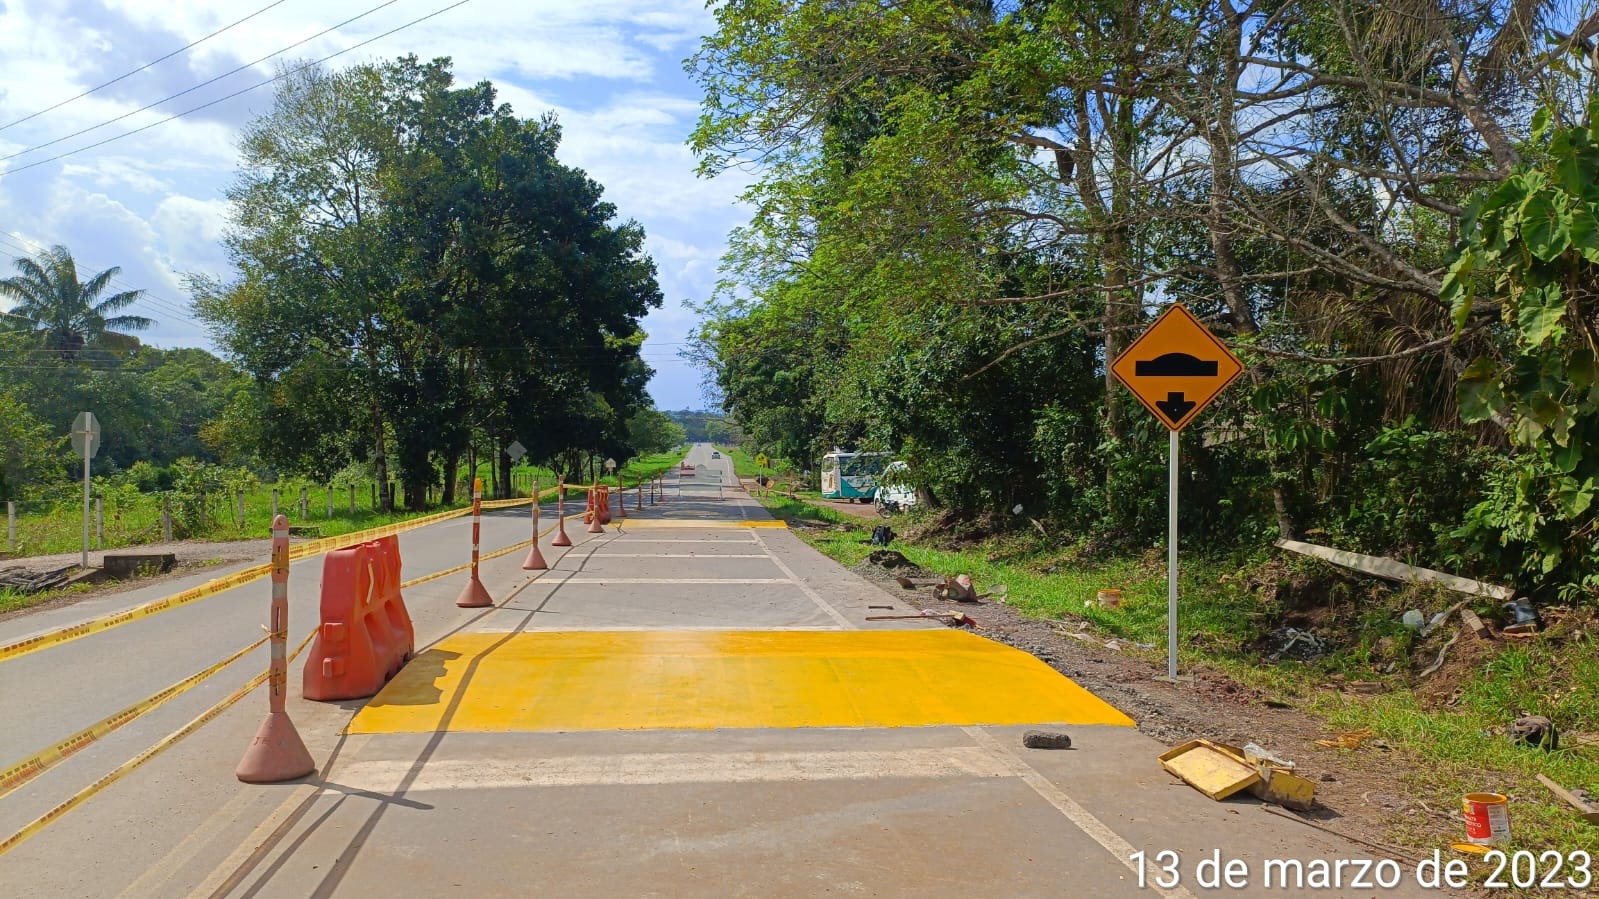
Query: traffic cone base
(560,536)
(278,753)
(594,525)
(474,595)
(535,559)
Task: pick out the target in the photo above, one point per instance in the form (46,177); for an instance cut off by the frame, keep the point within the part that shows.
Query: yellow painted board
(1210,769)
(646,680)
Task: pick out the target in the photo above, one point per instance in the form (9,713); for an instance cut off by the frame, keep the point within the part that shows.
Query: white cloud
(153,202)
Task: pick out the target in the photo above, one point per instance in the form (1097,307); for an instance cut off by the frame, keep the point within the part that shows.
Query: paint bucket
(1110,599)
(1487,818)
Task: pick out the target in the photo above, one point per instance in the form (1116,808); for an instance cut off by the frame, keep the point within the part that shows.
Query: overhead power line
(238,93)
(154,62)
(189,90)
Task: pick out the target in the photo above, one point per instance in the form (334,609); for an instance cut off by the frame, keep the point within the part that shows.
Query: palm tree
(67,314)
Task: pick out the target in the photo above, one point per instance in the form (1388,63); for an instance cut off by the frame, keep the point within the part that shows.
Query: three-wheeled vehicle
(852,476)
(894,492)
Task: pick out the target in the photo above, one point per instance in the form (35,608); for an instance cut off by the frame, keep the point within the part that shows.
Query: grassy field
(1455,746)
(133,518)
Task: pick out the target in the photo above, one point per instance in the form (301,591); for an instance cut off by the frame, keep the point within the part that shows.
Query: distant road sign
(610,464)
(1177,367)
(760,460)
(516,451)
(85,435)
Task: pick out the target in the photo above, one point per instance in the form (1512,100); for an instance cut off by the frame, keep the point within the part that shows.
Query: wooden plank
(1475,623)
(1586,809)
(1397,571)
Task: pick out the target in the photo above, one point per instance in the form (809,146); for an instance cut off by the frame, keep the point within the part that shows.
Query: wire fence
(121,515)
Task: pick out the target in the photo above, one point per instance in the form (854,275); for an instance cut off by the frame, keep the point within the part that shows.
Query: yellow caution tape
(167,742)
(67,634)
(26,770)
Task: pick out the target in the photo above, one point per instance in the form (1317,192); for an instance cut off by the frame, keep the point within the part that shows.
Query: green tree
(421,275)
(69,315)
(29,453)
(653,431)
(1529,264)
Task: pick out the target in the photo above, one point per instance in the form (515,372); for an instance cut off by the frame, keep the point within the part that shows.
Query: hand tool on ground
(958,618)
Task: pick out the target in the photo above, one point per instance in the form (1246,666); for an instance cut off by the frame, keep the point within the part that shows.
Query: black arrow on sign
(1174,406)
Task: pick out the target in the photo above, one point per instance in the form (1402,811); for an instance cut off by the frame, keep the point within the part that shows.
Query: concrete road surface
(691,704)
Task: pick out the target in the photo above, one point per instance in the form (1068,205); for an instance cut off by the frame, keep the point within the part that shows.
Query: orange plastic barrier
(366,634)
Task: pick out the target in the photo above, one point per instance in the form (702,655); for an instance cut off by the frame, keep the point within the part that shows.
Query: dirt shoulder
(193,556)
(188,552)
(1361,793)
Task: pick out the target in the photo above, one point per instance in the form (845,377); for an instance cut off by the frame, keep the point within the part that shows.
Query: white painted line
(821,603)
(153,882)
(629,538)
(1082,817)
(678,580)
(672,768)
(680,556)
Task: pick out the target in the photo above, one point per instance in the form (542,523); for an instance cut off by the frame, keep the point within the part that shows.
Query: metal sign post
(1171,562)
(86,443)
(1175,368)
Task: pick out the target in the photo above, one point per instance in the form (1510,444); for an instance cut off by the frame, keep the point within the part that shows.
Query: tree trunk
(452,465)
(505,491)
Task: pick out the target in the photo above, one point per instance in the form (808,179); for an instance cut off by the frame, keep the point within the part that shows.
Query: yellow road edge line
(45,820)
(26,645)
(24,772)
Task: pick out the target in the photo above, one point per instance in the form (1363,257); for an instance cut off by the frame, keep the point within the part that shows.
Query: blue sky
(152,203)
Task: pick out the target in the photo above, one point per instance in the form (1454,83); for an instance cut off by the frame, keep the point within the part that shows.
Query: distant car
(715,455)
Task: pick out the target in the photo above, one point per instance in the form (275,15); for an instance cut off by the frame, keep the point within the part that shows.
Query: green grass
(1450,750)
(133,519)
(11,601)
(743,462)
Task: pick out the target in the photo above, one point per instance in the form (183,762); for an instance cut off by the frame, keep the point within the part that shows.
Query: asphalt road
(524,751)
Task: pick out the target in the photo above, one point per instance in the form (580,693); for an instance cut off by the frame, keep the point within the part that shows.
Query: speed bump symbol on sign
(1177,367)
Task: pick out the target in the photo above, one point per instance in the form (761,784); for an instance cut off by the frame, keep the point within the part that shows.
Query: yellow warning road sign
(760,460)
(1177,367)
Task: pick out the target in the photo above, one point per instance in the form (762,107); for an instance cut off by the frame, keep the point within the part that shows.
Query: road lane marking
(84,795)
(599,555)
(718,541)
(678,679)
(1055,796)
(815,597)
(641,769)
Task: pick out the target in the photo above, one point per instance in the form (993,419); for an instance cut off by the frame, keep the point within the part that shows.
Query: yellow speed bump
(705,523)
(626,680)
